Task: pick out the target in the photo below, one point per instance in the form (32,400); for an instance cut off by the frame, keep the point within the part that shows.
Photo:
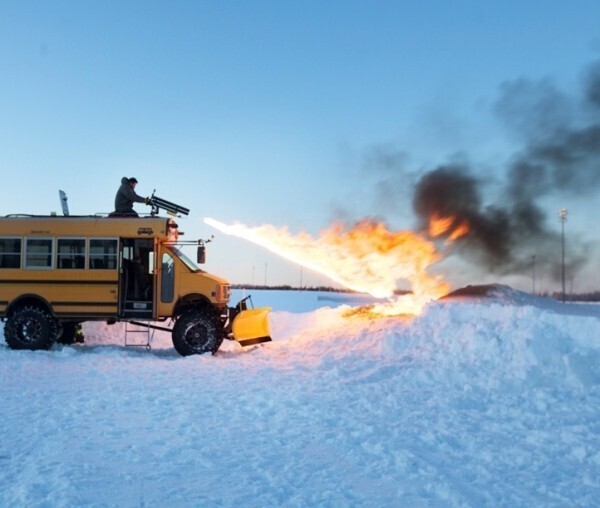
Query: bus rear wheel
(31,328)
(196,332)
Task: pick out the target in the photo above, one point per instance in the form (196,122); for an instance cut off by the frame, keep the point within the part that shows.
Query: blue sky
(271,112)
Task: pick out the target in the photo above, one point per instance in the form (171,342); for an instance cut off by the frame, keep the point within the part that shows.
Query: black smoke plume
(560,154)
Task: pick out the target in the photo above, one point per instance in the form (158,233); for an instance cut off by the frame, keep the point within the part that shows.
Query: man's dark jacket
(126,196)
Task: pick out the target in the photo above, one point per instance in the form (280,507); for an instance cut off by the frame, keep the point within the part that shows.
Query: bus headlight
(223,292)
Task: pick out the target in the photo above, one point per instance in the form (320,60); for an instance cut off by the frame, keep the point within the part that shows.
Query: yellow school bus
(57,272)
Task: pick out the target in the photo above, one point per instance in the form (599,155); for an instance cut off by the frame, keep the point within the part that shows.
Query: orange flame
(461,230)
(439,225)
(367,258)
(447,226)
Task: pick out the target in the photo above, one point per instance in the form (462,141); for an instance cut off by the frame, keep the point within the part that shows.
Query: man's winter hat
(133,179)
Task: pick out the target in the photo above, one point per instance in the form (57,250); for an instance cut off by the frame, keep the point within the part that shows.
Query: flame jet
(367,258)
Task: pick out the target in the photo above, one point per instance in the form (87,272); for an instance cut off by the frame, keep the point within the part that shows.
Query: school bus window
(70,253)
(10,252)
(38,253)
(103,254)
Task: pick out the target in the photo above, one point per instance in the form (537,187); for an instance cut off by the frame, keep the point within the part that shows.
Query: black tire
(196,332)
(30,328)
(72,333)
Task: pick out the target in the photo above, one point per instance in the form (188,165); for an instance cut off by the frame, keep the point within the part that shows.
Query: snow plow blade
(251,326)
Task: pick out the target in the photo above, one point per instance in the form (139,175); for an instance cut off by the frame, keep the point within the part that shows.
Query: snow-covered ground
(477,402)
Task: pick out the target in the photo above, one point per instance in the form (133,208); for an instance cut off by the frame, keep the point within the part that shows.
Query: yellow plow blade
(251,326)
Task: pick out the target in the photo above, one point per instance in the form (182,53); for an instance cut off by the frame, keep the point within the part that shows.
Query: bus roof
(90,225)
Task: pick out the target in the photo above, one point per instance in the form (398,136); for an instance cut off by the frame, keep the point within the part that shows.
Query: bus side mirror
(201,255)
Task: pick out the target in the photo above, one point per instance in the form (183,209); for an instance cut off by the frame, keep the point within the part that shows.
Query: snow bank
(480,401)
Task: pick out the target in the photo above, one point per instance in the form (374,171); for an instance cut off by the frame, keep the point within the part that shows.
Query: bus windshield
(186,260)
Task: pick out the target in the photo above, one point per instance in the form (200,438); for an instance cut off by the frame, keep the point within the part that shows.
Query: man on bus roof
(126,196)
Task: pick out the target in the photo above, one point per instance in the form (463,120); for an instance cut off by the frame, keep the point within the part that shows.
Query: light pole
(533,272)
(562,216)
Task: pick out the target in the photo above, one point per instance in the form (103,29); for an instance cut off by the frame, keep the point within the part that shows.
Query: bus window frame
(58,254)
(50,255)
(103,256)
(10,255)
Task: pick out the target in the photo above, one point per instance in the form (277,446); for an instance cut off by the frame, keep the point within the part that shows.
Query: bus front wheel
(196,332)
(30,328)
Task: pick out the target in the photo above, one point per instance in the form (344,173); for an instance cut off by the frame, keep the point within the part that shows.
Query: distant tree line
(287,287)
(592,296)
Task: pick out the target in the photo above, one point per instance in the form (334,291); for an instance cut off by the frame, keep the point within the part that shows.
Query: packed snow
(482,400)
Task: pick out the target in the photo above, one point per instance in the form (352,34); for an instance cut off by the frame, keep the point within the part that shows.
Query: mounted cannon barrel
(168,206)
